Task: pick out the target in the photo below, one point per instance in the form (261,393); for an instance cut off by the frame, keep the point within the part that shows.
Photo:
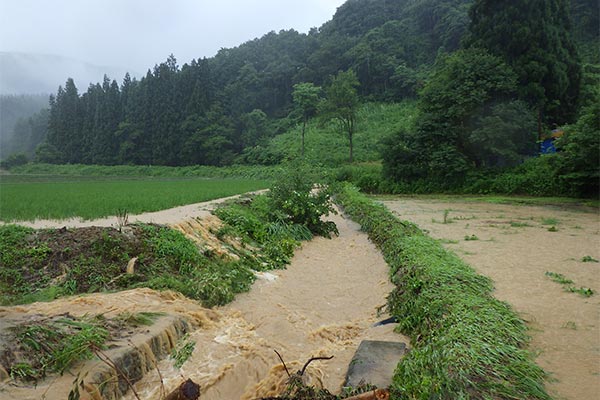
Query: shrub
(295,200)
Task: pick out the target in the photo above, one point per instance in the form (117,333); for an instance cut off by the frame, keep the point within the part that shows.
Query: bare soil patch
(516,245)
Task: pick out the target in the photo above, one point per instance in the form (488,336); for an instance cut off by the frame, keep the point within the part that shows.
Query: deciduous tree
(306,101)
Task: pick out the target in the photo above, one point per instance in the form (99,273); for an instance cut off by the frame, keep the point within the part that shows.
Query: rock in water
(374,362)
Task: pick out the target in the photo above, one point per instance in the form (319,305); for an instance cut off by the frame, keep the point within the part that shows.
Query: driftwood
(188,390)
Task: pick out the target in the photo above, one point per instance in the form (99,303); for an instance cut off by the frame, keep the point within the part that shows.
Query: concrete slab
(374,362)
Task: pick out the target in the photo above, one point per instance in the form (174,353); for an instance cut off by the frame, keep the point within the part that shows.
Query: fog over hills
(27,73)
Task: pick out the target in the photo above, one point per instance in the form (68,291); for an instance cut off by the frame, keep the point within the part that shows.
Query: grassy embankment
(465,343)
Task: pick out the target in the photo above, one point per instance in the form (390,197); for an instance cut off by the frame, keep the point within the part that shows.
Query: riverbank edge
(464,342)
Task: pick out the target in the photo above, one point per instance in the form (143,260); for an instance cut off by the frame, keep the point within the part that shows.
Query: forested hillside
(490,78)
(208,110)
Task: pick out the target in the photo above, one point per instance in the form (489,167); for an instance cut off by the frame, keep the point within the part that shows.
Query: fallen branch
(311,360)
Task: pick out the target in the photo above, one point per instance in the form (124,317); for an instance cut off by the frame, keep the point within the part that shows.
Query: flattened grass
(465,343)
(90,198)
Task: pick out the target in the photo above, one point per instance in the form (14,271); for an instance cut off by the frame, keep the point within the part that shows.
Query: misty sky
(137,34)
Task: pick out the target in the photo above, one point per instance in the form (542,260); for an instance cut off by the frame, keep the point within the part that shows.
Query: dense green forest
(489,80)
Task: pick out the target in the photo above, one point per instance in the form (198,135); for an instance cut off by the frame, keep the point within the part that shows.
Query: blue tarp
(547,146)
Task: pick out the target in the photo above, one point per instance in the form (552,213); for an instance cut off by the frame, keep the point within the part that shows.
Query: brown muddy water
(323,304)
(516,247)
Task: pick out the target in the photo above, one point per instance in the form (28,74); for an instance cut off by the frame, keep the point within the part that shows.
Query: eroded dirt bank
(515,245)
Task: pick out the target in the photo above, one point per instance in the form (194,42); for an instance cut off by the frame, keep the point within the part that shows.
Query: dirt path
(324,303)
(515,248)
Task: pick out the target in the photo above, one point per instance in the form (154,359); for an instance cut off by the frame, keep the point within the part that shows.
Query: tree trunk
(303,129)
(350,137)
(540,132)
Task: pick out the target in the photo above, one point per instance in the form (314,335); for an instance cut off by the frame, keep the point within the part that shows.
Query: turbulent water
(323,304)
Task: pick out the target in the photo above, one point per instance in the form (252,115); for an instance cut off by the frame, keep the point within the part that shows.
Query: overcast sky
(136,34)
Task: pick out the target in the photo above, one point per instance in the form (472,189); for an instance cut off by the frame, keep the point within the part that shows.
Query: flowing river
(323,304)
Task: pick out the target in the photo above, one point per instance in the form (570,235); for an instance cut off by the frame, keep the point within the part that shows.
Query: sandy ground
(515,249)
(165,217)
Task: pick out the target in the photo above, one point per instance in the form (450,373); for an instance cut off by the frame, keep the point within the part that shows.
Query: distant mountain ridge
(28,73)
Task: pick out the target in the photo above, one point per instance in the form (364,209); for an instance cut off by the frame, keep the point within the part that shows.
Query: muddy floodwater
(516,245)
(326,301)
(323,304)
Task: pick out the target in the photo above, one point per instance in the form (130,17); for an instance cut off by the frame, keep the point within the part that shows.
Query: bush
(295,200)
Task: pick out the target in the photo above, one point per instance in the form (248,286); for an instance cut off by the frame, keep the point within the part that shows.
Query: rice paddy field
(31,197)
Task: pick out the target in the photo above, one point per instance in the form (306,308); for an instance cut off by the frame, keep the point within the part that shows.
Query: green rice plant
(550,221)
(446,219)
(588,259)
(100,198)
(464,342)
(570,325)
(516,224)
(55,345)
(448,241)
(69,172)
(122,218)
(567,284)
(137,319)
(552,229)
(585,292)
(471,237)
(23,371)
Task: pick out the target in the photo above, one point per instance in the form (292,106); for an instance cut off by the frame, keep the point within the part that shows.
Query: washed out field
(543,260)
(27,198)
